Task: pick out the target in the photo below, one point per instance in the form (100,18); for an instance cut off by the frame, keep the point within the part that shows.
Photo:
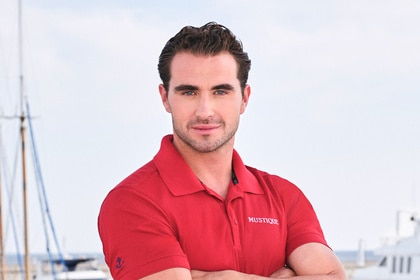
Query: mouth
(205,129)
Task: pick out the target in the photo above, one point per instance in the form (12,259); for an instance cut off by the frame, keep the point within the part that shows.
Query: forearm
(332,276)
(225,275)
(282,273)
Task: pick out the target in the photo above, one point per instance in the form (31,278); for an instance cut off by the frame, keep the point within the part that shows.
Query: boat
(70,269)
(57,266)
(399,261)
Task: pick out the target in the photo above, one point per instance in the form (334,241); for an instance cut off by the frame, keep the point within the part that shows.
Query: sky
(334,105)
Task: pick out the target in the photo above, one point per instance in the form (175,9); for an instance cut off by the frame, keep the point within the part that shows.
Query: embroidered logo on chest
(261,220)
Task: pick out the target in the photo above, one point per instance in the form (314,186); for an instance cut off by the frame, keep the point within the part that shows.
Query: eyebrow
(223,86)
(185,88)
(191,87)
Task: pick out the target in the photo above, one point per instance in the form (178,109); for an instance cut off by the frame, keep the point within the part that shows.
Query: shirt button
(236,221)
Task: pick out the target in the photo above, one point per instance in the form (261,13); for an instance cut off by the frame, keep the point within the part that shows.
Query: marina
(78,266)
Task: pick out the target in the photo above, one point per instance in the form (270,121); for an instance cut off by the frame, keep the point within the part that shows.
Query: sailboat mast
(23,142)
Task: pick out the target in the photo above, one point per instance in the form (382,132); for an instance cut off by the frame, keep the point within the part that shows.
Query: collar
(181,180)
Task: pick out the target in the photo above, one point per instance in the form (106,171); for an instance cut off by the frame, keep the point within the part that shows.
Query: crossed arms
(311,261)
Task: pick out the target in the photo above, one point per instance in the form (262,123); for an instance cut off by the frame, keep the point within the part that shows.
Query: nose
(204,106)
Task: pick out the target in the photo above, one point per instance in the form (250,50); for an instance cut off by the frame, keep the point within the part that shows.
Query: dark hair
(210,39)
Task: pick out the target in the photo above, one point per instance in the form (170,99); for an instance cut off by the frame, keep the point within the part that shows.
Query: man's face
(205,100)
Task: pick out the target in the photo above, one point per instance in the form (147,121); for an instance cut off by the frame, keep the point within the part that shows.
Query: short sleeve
(303,225)
(137,238)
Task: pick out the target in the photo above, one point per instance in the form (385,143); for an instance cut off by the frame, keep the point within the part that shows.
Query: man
(196,211)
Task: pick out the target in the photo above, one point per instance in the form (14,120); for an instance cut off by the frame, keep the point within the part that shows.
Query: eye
(188,93)
(220,92)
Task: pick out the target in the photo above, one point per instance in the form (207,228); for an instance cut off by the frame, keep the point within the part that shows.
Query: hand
(283,273)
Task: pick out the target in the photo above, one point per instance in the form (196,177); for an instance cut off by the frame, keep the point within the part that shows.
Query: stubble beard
(205,144)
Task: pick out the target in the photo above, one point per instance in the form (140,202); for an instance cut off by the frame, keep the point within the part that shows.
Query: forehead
(186,66)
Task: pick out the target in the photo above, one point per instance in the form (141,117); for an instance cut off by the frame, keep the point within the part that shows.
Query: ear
(245,98)
(164,96)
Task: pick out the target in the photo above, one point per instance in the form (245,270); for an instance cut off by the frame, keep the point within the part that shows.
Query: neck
(214,169)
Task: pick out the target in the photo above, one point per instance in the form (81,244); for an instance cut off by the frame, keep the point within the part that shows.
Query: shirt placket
(235,226)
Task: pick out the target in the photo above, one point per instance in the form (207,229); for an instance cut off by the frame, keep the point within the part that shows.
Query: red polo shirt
(162,216)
